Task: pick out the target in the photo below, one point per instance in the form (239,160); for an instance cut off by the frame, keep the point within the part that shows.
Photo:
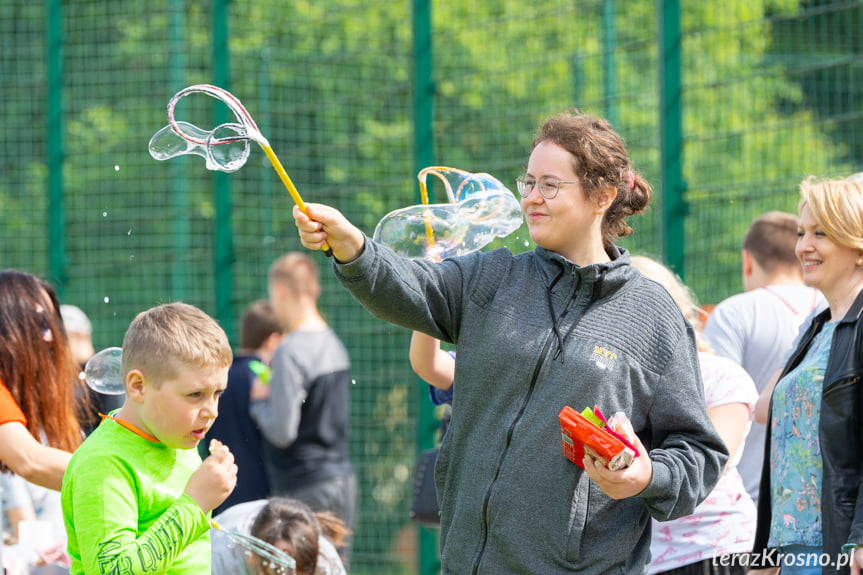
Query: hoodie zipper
(553,335)
(509,432)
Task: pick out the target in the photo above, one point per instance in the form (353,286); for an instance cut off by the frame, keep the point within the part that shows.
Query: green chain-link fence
(725,107)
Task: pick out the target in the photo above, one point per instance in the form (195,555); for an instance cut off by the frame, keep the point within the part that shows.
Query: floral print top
(795,452)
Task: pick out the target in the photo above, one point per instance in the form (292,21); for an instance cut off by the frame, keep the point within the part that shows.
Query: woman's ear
(605,199)
(135,382)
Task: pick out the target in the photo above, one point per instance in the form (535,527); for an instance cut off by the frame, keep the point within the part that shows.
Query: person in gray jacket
(571,323)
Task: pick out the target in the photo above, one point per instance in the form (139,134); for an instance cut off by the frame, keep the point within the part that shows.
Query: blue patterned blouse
(795,452)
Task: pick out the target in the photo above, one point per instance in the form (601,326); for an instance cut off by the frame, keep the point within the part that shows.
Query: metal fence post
(609,60)
(223,248)
(427,554)
(674,207)
(179,181)
(54,140)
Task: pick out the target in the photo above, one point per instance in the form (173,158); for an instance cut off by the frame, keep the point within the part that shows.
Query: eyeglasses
(548,186)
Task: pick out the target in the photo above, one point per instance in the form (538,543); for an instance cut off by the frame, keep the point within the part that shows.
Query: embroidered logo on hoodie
(604,358)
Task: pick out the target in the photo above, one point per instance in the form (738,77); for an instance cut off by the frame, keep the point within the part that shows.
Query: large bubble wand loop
(441,172)
(244,130)
(478,208)
(276,560)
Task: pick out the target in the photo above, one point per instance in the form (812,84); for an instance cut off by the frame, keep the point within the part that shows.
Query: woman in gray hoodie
(571,323)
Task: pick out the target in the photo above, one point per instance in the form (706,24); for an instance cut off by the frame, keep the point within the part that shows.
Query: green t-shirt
(125,510)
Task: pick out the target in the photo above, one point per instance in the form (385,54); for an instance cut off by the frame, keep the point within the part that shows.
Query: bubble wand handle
(286,179)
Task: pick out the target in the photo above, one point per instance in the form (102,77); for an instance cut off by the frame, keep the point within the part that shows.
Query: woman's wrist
(356,255)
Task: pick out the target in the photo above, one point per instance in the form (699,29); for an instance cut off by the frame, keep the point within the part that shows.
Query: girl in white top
(723,526)
(286,523)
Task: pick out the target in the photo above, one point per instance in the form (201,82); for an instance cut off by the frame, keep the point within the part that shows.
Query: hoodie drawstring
(555,321)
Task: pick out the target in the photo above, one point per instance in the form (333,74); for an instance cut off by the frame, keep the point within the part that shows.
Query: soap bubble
(103,372)
(225,148)
(480,209)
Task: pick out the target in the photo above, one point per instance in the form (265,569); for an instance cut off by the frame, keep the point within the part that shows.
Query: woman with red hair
(38,424)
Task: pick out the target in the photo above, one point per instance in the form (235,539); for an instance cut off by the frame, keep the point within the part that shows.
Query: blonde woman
(810,505)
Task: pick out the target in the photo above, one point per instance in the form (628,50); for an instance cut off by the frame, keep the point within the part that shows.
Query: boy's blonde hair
(164,339)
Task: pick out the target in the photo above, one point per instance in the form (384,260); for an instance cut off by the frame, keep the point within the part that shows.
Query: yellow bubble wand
(179,138)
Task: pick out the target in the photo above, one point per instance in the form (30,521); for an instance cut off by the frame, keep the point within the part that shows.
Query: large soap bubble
(221,151)
(225,147)
(480,208)
(103,372)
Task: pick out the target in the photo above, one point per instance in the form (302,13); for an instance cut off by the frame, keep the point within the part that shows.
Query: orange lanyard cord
(130,427)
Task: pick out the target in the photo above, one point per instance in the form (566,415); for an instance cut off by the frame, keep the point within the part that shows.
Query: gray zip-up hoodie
(534,332)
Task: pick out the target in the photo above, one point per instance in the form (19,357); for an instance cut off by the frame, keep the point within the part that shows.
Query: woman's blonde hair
(837,206)
(682,295)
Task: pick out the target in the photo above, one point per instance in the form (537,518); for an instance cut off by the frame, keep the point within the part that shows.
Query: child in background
(289,525)
(136,497)
(434,365)
(711,540)
(260,334)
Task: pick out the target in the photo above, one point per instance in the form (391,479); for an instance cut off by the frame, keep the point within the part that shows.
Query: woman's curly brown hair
(600,160)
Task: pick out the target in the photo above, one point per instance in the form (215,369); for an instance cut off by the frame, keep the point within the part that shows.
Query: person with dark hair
(38,424)
(260,333)
(756,328)
(38,381)
(289,525)
(571,323)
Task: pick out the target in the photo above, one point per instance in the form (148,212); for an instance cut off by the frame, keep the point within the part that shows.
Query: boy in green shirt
(136,496)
